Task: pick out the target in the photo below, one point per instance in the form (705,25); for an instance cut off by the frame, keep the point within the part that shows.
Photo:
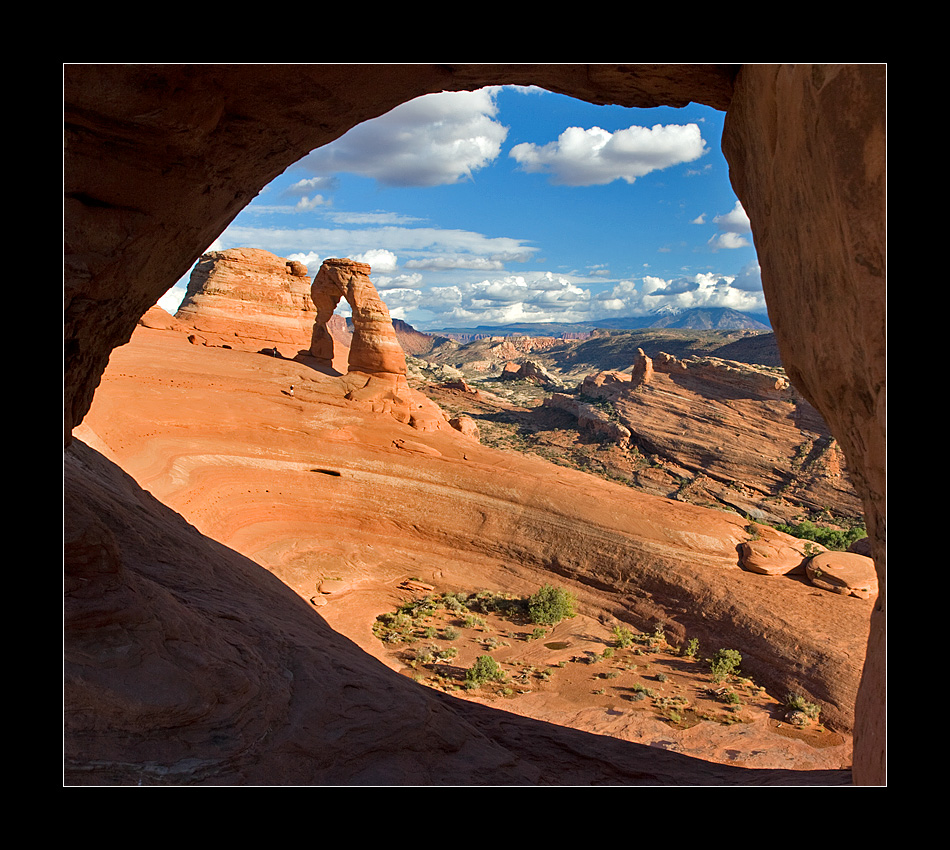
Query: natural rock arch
(374,348)
(159,159)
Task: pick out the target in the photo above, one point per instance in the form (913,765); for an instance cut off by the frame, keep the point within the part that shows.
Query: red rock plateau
(188,662)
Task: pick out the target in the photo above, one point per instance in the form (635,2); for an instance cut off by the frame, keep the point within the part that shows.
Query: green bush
(724,663)
(485,669)
(796,702)
(831,538)
(623,636)
(550,605)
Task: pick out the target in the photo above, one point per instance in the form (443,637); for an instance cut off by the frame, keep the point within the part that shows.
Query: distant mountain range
(697,318)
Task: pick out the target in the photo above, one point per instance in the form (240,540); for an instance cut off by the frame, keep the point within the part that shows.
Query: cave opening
(321,476)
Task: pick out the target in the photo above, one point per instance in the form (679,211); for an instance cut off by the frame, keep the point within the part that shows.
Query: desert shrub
(485,669)
(488,602)
(796,702)
(691,648)
(724,663)
(451,633)
(549,605)
(424,656)
(837,539)
(454,602)
(623,637)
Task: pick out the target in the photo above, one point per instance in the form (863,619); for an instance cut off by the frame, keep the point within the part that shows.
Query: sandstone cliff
(713,431)
(249,299)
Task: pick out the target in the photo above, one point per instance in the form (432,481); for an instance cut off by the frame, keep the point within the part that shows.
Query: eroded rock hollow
(160,158)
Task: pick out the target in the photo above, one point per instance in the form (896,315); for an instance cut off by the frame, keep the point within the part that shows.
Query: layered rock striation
(719,432)
(249,299)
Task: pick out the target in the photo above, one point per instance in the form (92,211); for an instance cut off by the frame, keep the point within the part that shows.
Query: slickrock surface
(314,487)
(248,298)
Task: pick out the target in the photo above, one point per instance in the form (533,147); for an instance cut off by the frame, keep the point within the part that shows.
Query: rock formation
(249,299)
(802,141)
(642,371)
(374,348)
(589,418)
(531,371)
(721,432)
(376,363)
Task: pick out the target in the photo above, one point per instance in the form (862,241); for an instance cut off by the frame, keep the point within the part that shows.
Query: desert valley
(415,502)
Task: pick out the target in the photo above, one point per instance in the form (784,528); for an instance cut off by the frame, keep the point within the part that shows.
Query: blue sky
(513,205)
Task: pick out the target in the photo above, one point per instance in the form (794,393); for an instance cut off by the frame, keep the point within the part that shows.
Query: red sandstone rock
(744,436)
(160,319)
(843,572)
(374,348)
(432,506)
(642,372)
(251,300)
(800,139)
(465,425)
(376,364)
(772,557)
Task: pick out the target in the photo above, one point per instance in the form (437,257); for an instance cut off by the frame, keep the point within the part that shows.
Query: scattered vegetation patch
(837,539)
(497,652)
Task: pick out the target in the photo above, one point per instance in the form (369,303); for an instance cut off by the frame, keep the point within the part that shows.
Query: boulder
(773,553)
(843,572)
(465,425)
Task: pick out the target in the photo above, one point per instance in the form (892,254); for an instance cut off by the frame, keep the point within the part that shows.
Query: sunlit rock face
(806,147)
(374,348)
(159,159)
(251,299)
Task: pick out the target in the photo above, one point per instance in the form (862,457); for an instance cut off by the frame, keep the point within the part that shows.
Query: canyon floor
(344,506)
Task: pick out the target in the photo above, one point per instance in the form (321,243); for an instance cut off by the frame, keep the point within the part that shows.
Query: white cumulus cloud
(592,157)
(432,140)
(379,258)
(734,227)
